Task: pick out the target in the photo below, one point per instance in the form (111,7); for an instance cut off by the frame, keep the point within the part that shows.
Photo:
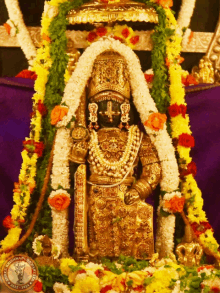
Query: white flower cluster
(60,288)
(184,18)
(23,35)
(60,169)
(145,106)
(50,10)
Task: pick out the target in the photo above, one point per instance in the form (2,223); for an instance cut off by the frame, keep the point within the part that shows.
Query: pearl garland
(117,169)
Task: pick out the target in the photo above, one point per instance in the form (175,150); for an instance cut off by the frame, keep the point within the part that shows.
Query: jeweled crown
(109,73)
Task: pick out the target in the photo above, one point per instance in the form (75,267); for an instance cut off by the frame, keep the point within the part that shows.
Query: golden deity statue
(111,199)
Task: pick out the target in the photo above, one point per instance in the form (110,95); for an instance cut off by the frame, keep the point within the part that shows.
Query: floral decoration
(27,74)
(8,222)
(38,286)
(175,204)
(58,113)
(123,33)
(59,201)
(156,121)
(37,247)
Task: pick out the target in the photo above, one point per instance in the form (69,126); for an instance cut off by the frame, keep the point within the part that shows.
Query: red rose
(191,167)
(41,108)
(191,80)
(174,110)
(38,286)
(101,31)
(81,272)
(91,37)
(183,110)
(106,289)
(200,228)
(27,74)
(99,273)
(215,289)
(149,77)
(186,140)
(134,40)
(8,223)
(39,147)
(125,32)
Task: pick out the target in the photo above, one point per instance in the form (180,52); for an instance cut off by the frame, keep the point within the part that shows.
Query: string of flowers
(122,33)
(184,18)
(16,26)
(182,137)
(46,70)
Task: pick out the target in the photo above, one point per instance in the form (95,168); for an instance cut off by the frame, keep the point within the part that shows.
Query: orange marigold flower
(60,201)
(165,3)
(7,27)
(180,59)
(8,222)
(57,114)
(175,204)
(46,38)
(167,62)
(156,121)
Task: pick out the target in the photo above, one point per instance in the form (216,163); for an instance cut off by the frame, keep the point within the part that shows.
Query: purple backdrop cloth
(204,112)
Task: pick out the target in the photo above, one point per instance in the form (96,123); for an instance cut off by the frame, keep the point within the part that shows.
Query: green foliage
(49,276)
(130,283)
(129,264)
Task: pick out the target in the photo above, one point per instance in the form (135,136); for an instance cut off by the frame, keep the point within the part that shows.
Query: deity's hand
(132,196)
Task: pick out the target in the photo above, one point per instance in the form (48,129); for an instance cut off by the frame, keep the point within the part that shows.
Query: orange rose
(175,204)
(156,121)
(60,202)
(57,114)
(165,3)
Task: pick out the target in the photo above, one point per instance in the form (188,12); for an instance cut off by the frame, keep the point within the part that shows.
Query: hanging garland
(49,65)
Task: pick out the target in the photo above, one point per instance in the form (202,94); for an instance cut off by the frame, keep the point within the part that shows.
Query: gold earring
(93,108)
(125,108)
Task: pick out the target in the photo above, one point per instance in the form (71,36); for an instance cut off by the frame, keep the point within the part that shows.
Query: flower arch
(145,106)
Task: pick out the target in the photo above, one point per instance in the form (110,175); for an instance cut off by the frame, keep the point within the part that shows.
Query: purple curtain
(204,112)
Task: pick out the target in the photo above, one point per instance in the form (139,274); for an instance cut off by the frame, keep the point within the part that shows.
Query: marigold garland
(182,133)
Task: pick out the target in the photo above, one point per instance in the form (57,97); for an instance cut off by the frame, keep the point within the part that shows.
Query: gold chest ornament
(112,152)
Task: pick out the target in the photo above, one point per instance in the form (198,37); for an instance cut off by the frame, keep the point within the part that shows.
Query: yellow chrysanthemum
(45,23)
(11,238)
(87,285)
(56,2)
(64,265)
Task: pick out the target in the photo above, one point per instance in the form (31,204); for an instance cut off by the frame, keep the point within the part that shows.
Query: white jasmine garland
(23,35)
(50,10)
(145,106)
(185,13)
(167,197)
(61,288)
(60,169)
(184,18)
(60,224)
(186,36)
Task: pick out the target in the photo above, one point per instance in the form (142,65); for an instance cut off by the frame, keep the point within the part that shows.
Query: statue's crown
(109,73)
